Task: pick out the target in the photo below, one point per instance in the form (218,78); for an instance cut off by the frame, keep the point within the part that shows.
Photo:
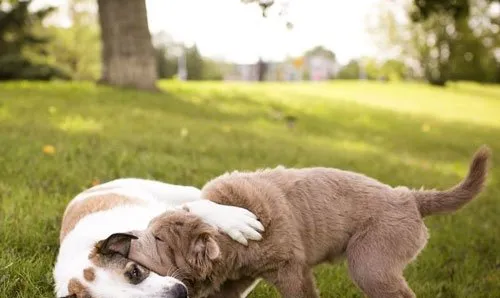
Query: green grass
(402,134)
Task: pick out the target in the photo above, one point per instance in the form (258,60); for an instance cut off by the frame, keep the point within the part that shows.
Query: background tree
(393,70)
(166,52)
(262,67)
(166,65)
(459,47)
(128,57)
(440,39)
(77,49)
(320,51)
(213,70)
(476,55)
(22,52)
(351,71)
(424,9)
(195,64)
(459,44)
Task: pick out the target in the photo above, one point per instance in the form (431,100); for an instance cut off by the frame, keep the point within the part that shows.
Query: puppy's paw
(240,224)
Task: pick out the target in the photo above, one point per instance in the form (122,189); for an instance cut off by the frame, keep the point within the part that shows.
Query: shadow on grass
(489,91)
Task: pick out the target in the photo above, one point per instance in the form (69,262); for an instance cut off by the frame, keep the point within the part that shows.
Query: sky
(236,32)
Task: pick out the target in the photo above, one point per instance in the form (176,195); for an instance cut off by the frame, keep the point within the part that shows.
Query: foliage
(351,71)
(441,46)
(457,9)
(424,9)
(263,4)
(195,64)
(438,49)
(320,51)
(213,69)
(393,70)
(21,47)
(198,67)
(166,65)
(77,49)
(471,59)
(63,137)
(371,69)
(17,67)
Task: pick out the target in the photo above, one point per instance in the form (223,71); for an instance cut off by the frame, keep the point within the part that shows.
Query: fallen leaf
(226,128)
(426,127)
(184,132)
(96,182)
(49,149)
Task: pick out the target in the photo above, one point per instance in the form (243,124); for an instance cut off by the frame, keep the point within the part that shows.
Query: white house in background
(242,72)
(276,71)
(321,68)
(318,67)
(283,71)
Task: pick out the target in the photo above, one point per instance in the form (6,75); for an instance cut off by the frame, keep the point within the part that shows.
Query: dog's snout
(179,291)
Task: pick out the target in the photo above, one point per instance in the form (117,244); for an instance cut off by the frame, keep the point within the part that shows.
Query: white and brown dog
(86,267)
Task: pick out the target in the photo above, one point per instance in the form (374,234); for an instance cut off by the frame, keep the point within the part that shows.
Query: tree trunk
(261,70)
(127,52)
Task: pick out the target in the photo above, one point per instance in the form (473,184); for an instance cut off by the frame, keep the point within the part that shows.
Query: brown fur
(78,210)
(89,274)
(76,289)
(115,262)
(311,216)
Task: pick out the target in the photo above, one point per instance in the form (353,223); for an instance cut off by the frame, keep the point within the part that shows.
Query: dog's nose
(179,291)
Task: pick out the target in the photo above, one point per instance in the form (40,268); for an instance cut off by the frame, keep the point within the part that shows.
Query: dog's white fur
(157,197)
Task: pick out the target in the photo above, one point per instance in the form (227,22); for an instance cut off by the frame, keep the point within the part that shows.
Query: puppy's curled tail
(431,201)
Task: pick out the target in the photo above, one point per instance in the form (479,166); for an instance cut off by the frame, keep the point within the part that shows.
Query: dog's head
(177,244)
(107,273)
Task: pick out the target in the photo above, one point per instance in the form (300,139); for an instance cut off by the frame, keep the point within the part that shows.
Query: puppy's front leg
(235,288)
(294,280)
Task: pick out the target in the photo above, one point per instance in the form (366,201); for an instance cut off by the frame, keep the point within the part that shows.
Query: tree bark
(261,70)
(127,52)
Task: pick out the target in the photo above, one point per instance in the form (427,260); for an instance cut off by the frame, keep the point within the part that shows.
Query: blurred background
(182,91)
(263,40)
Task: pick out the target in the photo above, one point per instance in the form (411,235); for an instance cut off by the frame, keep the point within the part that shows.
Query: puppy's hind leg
(293,281)
(378,272)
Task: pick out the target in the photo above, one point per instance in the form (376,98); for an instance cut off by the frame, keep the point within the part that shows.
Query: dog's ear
(150,252)
(116,243)
(202,253)
(205,248)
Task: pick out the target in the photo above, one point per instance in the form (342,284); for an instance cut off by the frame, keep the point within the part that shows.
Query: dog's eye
(135,272)
(135,275)
(159,239)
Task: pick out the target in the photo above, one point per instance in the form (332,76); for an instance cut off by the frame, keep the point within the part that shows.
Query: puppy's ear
(205,248)
(116,243)
(203,251)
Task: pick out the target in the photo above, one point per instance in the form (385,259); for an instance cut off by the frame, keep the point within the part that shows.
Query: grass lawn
(402,134)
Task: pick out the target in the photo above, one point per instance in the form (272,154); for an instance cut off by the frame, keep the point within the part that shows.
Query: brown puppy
(311,216)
